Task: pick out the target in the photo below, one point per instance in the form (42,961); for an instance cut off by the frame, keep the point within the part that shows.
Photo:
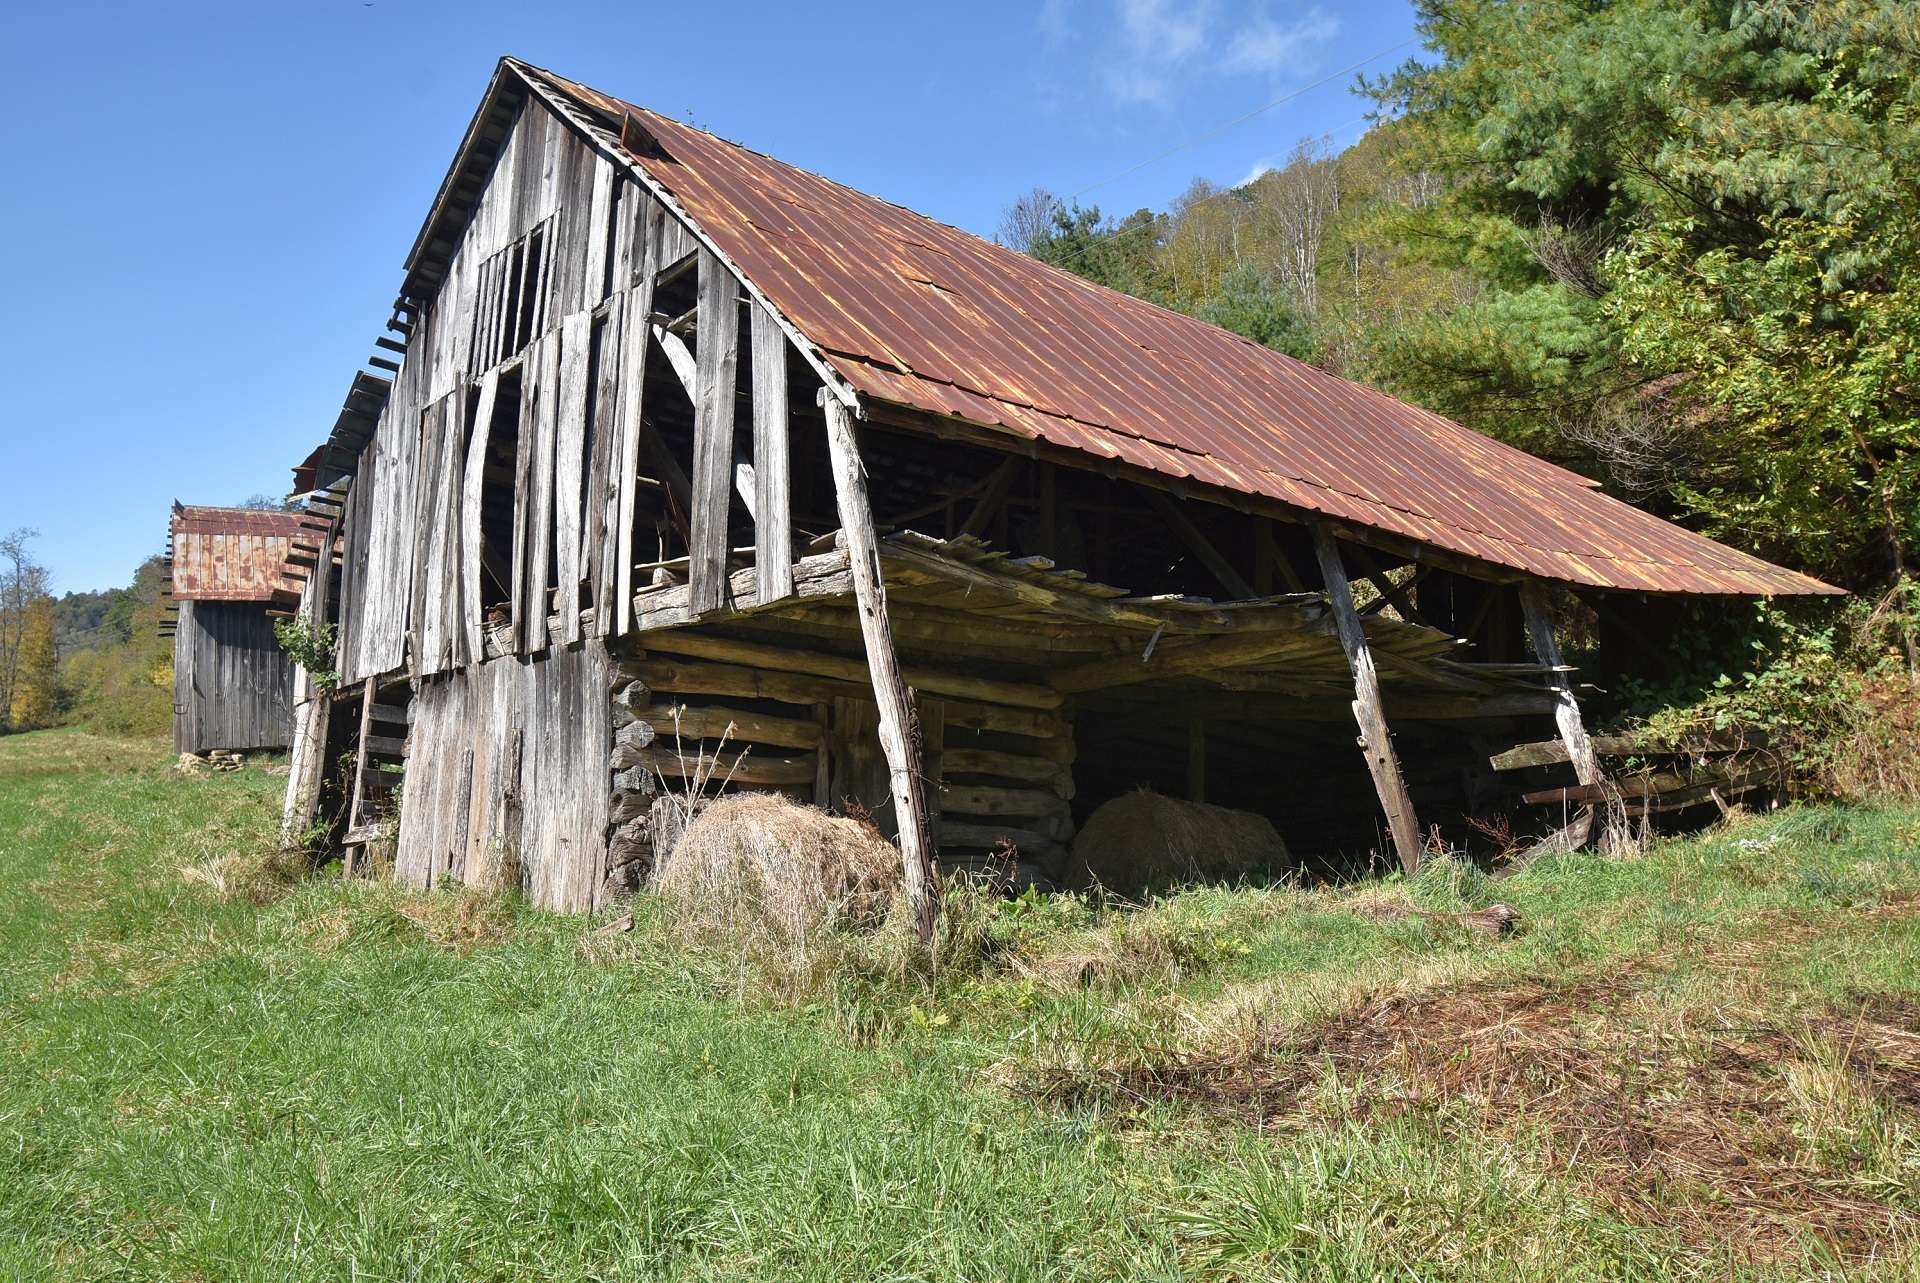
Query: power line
(1242,119)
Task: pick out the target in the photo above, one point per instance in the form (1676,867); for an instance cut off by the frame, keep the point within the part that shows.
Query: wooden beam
(1112,612)
(368,699)
(992,499)
(718,356)
(772,472)
(1178,658)
(1200,545)
(820,575)
(1566,710)
(1010,766)
(716,721)
(897,724)
(1397,597)
(706,645)
(1375,740)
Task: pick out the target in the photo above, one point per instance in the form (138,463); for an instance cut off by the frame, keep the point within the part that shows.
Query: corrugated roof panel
(231,554)
(922,315)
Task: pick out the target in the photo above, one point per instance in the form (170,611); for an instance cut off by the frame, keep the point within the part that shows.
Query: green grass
(335,1079)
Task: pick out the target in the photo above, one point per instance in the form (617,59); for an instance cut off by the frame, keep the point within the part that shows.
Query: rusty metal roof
(918,314)
(230,554)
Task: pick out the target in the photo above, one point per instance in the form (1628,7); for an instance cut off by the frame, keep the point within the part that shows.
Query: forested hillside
(1673,246)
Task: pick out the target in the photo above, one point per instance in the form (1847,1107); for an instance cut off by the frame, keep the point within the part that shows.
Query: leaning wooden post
(1566,710)
(1367,712)
(890,692)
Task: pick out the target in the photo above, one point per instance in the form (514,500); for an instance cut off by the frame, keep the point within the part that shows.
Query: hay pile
(1143,840)
(767,871)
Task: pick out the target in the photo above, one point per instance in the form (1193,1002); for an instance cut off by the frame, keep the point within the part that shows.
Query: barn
(232,685)
(678,468)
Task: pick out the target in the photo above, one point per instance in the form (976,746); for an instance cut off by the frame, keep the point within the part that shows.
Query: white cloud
(1156,47)
(1052,19)
(1265,47)
(1157,44)
(1259,167)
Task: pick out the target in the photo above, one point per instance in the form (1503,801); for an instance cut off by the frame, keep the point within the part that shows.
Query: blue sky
(206,206)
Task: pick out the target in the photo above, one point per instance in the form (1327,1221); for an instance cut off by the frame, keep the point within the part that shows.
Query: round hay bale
(1143,840)
(758,865)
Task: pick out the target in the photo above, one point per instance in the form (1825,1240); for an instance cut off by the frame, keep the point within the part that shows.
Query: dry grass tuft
(776,878)
(460,916)
(1721,1127)
(1143,840)
(258,877)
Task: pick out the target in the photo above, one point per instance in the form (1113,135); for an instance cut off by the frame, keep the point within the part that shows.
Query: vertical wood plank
(601,499)
(570,438)
(545,358)
(523,504)
(635,341)
(599,231)
(772,471)
(368,697)
(472,481)
(1375,741)
(889,689)
(719,346)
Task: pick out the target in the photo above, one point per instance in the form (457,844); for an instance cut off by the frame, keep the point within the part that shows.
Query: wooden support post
(719,334)
(889,689)
(1367,712)
(772,474)
(1566,710)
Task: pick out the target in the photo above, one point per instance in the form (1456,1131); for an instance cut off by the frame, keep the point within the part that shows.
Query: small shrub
(309,645)
(1831,697)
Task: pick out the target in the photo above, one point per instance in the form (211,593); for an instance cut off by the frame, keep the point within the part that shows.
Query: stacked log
(698,714)
(1006,796)
(685,733)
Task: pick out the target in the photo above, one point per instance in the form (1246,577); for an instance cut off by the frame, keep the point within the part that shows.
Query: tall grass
(323,1078)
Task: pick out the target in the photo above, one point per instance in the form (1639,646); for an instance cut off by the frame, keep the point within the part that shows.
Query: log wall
(1000,776)
(232,684)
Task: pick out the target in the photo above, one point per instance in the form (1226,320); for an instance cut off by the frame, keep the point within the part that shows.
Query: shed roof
(230,554)
(916,314)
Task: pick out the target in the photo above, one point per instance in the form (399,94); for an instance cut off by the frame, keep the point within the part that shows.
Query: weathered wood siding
(507,767)
(553,278)
(232,684)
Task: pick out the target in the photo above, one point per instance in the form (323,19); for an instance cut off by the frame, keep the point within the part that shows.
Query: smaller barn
(232,684)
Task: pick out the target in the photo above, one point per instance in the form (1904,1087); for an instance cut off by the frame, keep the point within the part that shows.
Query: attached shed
(232,684)
(682,468)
